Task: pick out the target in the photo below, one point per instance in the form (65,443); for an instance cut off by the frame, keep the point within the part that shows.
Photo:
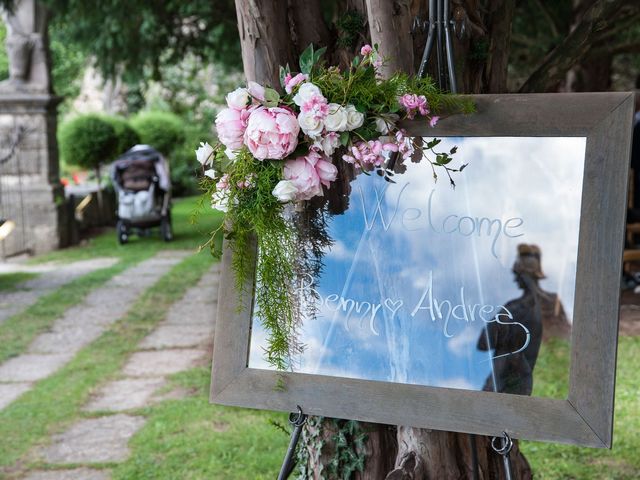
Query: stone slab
(162,362)
(94,440)
(11,391)
(178,336)
(65,339)
(125,394)
(73,474)
(32,367)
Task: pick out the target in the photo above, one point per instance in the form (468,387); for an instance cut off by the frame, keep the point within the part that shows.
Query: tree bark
(264,38)
(390,27)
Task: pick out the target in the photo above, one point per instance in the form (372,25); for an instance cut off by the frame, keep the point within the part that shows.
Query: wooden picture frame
(585,417)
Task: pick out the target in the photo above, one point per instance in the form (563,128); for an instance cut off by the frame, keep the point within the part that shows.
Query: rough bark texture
(599,17)
(264,38)
(390,27)
(308,25)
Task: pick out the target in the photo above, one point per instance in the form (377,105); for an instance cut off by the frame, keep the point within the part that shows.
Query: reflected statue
(27,48)
(515,355)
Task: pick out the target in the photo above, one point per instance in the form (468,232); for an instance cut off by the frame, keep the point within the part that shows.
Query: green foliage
(4,59)
(256,213)
(87,141)
(350,27)
(164,131)
(139,38)
(127,136)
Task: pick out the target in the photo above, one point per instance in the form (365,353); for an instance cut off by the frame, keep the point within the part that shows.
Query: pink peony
(290,82)
(271,133)
(309,173)
(366,50)
(231,124)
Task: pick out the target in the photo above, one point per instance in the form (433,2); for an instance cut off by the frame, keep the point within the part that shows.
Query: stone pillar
(30,192)
(30,189)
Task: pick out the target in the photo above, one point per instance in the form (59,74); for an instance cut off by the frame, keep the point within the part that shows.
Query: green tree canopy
(87,141)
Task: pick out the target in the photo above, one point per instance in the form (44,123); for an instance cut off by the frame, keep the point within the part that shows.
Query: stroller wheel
(123,235)
(165,229)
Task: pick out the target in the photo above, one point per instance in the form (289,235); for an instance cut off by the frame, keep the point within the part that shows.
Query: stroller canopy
(135,169)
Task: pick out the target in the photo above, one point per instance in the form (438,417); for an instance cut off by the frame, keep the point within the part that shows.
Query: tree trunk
(390,27)
(265,39)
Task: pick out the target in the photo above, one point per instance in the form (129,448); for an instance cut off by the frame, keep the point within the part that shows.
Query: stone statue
(27,48)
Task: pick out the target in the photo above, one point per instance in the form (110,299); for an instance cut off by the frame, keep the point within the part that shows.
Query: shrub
(127,136)
(162,130)
(87,141)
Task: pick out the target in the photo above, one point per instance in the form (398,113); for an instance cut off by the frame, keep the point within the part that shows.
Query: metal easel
(439,28)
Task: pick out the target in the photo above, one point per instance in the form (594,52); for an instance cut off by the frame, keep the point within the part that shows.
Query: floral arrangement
(276,151)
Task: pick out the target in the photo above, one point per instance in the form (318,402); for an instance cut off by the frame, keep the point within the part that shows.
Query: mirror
(464,287)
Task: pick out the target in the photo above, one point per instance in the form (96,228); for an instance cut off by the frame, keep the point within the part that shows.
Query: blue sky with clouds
(417,268)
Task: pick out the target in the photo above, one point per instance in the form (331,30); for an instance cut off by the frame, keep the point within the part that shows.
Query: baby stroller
(141,179)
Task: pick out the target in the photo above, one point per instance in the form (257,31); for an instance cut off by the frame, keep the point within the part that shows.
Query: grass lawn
(553,461)
(9,281)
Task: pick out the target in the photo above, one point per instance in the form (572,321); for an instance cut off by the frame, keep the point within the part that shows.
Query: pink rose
(414,103)
(231,124)
(271,133)
(290,82)
(366,50)
(309,173)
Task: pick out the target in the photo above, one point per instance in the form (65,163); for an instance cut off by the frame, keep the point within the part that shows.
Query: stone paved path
(52,276)
(80,325)
(182,340)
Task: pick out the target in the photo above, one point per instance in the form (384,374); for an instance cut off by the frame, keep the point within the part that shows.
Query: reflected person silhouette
(515,355)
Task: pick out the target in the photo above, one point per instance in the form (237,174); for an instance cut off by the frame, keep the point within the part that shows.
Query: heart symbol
(394,306)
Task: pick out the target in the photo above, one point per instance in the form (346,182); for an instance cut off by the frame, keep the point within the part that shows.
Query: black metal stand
(297,420)
(503,450)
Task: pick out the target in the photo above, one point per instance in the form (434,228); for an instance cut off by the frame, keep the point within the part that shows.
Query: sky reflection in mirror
(425,284)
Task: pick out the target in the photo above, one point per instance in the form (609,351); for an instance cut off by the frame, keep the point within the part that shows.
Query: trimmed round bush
(87,141)
(127,136)
(162,130)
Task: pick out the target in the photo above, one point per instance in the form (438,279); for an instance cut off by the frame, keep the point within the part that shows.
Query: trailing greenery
(260,218)
(87,141)
(162,130)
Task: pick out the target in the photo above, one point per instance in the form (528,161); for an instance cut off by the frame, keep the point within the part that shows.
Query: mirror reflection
(469,287)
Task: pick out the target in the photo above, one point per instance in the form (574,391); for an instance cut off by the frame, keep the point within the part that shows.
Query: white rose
(336,121)
(204,153)
(310,126)
(219,201)
(238,99)
(285,191)
(211,173)
(355,119)
(306,91)
(385,123)
(328,143)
